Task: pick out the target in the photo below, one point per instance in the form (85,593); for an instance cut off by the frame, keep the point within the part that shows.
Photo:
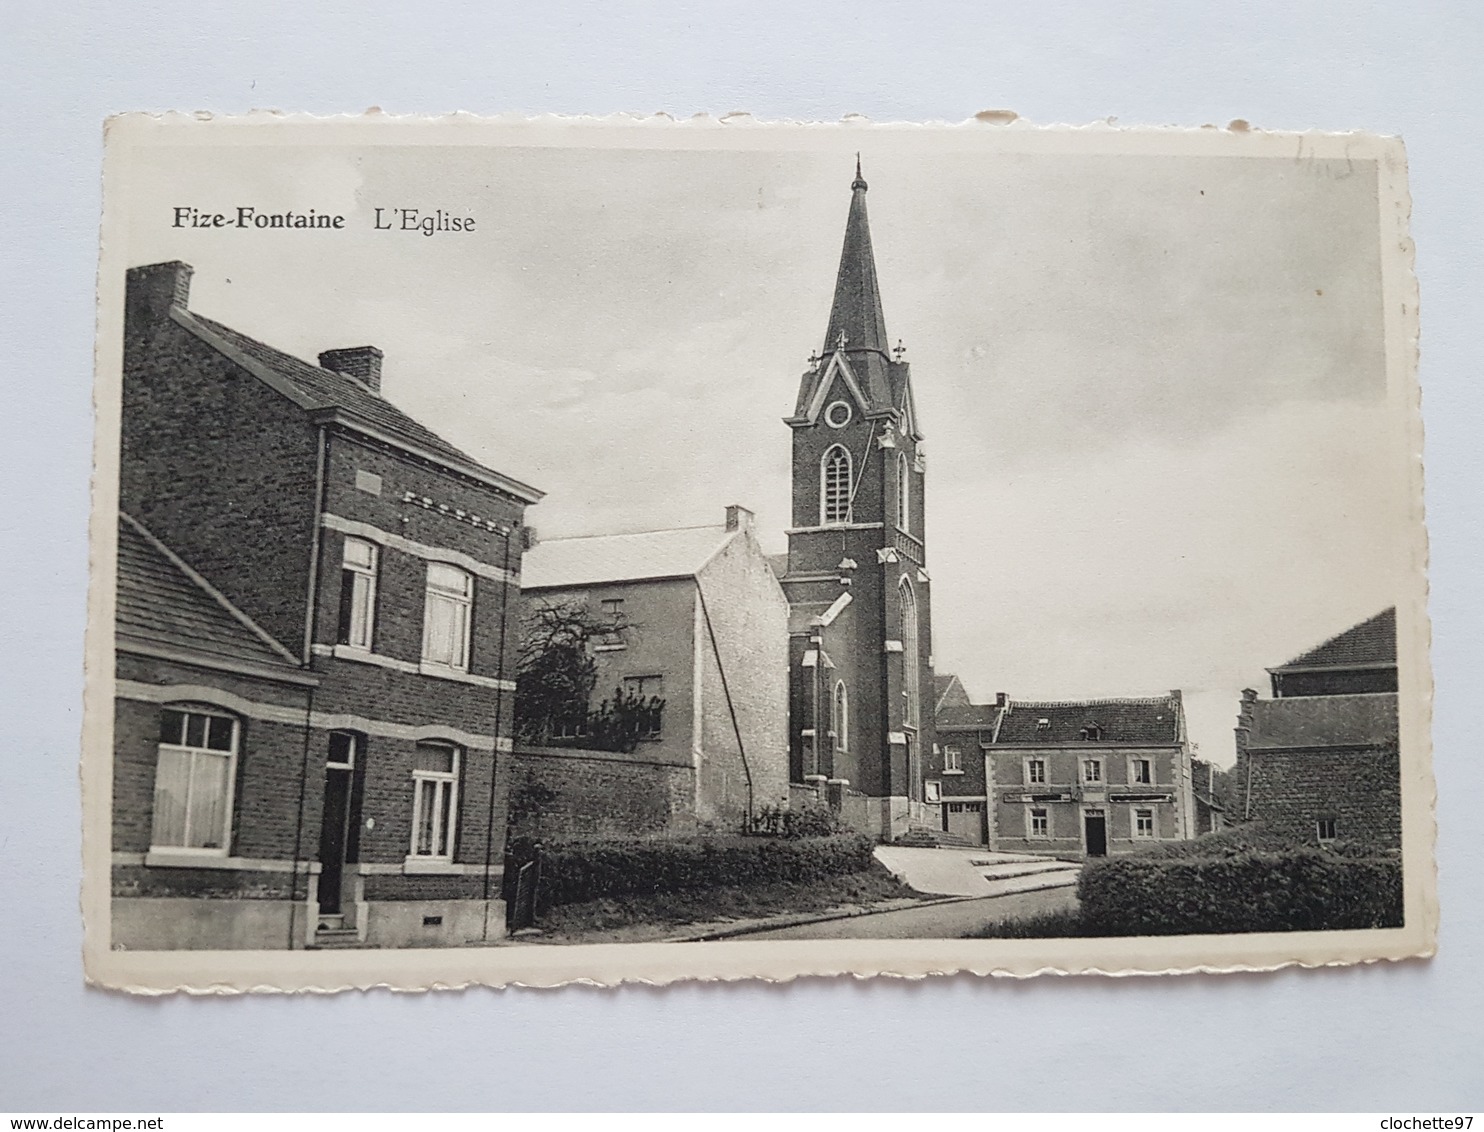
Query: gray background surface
(1400,1037)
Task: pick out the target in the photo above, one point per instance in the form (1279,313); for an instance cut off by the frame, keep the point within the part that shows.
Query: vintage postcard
(528,552)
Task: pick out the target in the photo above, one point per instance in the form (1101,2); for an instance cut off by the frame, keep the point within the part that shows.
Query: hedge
(594,870)
(1296,889)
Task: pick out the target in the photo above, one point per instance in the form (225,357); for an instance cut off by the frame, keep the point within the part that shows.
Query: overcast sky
(1153,389)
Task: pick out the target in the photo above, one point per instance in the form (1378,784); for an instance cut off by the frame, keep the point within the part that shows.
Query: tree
(556,675)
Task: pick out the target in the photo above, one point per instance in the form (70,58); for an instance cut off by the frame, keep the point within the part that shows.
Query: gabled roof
(645,556)
(317,389)
(162,601)
(1371,643)
(948,692)
(966,715)
(1154,720)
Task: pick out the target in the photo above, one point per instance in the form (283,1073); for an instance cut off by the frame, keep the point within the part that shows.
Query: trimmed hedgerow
(1295,889)
(594,870)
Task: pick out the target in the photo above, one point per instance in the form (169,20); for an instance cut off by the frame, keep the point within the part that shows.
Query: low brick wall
(571,794)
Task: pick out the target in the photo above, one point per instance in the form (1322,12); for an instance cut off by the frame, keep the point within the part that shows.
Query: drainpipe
(311,623)
(731,708)
(299,823)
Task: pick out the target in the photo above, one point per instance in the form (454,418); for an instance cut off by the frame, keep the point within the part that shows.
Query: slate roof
(855,312)
(948,692)
(1154,721)
(1323,721)
(159,601)
(966,715)
(325,388)
(645,556)
(1369,643)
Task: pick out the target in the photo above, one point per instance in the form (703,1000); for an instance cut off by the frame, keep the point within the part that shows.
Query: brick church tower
(860,663)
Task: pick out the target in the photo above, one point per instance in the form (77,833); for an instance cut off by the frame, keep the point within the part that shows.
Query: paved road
(936,921)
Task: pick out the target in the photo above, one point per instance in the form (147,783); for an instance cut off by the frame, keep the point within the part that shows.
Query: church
(856,579)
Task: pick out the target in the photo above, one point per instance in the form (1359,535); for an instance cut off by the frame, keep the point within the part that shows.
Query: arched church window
(841,718)
(904,494)
(911,654)
(834,492)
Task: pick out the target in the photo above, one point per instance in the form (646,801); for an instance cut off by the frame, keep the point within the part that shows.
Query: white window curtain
(193,780)
(446,616)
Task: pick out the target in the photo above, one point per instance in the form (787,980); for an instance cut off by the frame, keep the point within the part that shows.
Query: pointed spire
(856,313)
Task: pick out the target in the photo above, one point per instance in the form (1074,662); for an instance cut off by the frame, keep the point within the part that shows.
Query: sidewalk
(953,871)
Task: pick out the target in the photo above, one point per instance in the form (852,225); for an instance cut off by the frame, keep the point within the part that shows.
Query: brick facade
(250,470)
(856,574)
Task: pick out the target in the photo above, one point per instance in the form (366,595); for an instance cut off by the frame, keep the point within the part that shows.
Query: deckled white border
(213,972)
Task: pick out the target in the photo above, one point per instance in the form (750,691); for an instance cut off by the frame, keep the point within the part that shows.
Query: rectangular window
(1035,771)
(1326,829)
(1143,823)
(1092,770)
(446,616)
(357,593)
(573,726)
(193,781)
(611,638)
(435,787)
(1140,771)
(953,760)
(646,694)
(1038,822)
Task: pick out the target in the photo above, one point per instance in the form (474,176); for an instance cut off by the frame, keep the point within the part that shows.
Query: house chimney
(360,362)
(153,290)
(739,518)
(1001,699)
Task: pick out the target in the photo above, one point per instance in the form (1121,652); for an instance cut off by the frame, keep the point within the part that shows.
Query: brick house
(860,629)
(1320,760)
(706,631)
(324,765)
(1063,778)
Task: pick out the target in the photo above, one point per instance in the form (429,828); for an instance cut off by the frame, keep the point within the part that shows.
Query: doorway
(1095,823)
(337,829)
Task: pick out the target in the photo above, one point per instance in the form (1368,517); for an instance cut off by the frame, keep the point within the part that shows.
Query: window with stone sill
(1038,823)
(358,565)
(1143,823)
(447,610)
(435,807)
(194,776)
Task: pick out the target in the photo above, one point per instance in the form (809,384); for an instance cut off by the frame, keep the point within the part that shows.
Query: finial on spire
(859,182)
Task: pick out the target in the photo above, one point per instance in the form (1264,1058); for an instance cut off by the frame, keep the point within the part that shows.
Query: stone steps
(337,939)
(1007,869)
(1033,882)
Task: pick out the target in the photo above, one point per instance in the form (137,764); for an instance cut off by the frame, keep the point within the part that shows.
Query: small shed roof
(162,600)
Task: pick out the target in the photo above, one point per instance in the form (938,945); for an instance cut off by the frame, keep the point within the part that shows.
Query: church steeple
(856,312)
